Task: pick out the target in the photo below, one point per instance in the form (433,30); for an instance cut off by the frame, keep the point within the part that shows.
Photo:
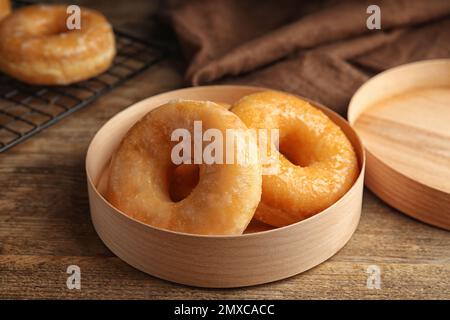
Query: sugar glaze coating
(317,163)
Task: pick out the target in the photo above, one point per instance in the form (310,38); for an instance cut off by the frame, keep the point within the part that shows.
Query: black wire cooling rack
(25,110)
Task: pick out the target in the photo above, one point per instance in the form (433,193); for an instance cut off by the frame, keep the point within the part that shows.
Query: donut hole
(298,149)
(183,179)
(60,29)
(53,25)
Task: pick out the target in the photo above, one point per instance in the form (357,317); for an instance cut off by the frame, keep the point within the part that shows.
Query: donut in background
(36,46)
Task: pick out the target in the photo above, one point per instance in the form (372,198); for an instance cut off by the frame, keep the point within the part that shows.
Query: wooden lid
(403,118)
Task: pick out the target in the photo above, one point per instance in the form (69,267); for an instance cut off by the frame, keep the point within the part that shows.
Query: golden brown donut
(317,163)
(37,48)
(5,8)
(221,203)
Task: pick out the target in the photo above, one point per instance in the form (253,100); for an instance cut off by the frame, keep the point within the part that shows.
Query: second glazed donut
(317,163)
(223,201)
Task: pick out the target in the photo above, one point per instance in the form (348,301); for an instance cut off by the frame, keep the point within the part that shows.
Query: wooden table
(45,224)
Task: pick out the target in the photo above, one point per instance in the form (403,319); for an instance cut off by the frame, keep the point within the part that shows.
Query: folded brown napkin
(322,50)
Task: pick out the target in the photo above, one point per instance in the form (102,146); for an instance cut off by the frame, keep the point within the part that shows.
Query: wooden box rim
(225,264)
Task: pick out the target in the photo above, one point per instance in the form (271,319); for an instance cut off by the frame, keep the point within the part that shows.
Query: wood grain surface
(420,123)
(45,224)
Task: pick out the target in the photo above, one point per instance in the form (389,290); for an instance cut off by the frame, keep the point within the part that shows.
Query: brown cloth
(322,50)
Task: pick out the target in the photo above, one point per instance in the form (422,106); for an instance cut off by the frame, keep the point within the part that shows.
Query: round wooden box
(216,261)
(403,117)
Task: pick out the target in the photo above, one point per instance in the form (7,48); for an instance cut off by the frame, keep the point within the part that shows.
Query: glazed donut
(226,195)
(5,8)
(37,48)
(316,161)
